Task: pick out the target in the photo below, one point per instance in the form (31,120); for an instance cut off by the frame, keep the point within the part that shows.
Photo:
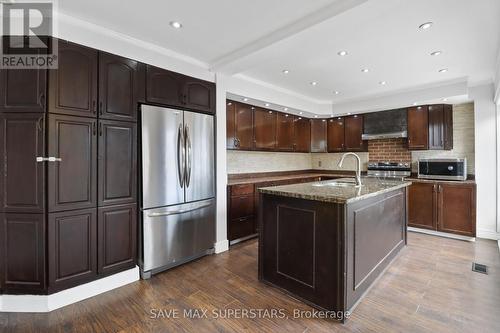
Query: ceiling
(260,38)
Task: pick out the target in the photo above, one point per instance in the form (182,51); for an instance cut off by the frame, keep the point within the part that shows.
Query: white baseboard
(221,246)
(488,234)
(47,303)
(441,234)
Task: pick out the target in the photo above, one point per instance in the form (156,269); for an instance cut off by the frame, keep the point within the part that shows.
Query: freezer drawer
(172,235)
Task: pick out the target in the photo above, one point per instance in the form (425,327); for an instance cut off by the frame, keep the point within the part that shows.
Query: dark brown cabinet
(117,163)
(116,226)
(173,89)
(457,209)
(239,126)
(119,85)
(302,135)
(353,133)
(422,205)
(318,136)
(418,128)
(264,130)
(241,217)
(73,85)
(441,206)
(22,253)
(440,127)
(22,178)
(285,131)
(72,248)
(72,181)
(23,90)
(335,134)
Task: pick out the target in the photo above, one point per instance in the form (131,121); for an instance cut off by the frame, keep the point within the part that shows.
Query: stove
(394,170)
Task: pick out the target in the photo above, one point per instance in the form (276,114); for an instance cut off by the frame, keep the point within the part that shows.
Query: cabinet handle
(100,108)
(48,159)
(93,107)
(41,100)
(93,129)
(39,125)
(100,129)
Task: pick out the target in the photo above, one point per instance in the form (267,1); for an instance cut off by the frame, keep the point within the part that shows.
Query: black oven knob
(450,167)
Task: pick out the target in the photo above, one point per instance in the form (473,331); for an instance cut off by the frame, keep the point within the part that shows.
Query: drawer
(242,227)
(241,189)
(242,206)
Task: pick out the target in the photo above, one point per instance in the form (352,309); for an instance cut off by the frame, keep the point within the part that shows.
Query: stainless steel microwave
(443,168)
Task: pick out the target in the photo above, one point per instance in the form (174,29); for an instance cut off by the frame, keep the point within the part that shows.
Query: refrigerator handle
(189,157)
(181,153)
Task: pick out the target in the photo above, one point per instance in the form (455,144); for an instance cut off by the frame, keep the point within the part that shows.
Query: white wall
(486,160)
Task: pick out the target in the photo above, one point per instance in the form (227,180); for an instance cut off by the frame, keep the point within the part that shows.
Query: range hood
(385,125)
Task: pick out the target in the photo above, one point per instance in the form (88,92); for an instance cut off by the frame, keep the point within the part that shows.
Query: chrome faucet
(358,167)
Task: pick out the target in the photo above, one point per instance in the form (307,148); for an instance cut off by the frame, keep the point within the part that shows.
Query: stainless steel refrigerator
(178,187)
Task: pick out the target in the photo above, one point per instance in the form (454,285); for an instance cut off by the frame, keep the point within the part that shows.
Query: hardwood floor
(429,288)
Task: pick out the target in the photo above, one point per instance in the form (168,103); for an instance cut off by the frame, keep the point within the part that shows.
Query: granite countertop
(321,191)
(415,179)
(271,178)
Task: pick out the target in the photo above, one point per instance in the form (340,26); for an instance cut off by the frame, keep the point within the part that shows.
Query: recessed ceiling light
(253,108)
(267,104)
(313,83)
(175,24)
(436,53)
(336,92)
(342,53)
(285,71)
(445,99)
(301,112)
(348,113)
(229,103)
(365,70)
(332,115)
(443,70)
(425,25)
(415,103)
(382,83)
(245,99)
(285,109)
(315,116)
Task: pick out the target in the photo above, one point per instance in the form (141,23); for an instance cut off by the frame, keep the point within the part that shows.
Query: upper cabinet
(302,135)
(239,126)
(173,89)
(353,133)
(440,127)
(285,131)
(119,82)
(430,127)
(23,90)
(418,128)
(335,129)
(318,136)
(73,85)
(265,129)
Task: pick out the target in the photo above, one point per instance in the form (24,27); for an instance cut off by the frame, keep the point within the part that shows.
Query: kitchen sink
(337,183)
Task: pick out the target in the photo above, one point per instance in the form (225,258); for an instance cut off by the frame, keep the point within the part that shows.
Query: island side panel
(376,232)
(301,249)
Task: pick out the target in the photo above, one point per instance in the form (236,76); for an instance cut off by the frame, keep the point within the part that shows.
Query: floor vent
(479,268)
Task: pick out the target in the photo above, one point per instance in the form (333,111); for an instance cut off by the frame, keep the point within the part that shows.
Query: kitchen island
(327,242)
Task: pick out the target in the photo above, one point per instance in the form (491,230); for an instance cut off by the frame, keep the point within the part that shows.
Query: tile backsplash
(255,161)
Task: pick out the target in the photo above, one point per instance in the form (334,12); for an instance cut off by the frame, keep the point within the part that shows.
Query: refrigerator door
(163,156)
(176,234)
(200,173)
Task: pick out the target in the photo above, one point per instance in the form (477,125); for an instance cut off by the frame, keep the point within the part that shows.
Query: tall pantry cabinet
(68,144)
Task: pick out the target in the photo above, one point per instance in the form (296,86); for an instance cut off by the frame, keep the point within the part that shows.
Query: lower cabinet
(116,230)
(22,253)
(444,207)
(72,248)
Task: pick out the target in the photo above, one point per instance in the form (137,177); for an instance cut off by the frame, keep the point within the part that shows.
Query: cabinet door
(243,122)
(163,87)
(318,136)
(353,133)
(117,163)
(199,95)
(23,90)
(264,129)
(230,125)
(436,127)
(22,179)
(118,87)
(457,209)
(422,205)
(73,85)
(448,127)
(72,182)
(285,131)
(117,238)
(302,135)
(22,253)
(335,130)
(418,128)
(72,240)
